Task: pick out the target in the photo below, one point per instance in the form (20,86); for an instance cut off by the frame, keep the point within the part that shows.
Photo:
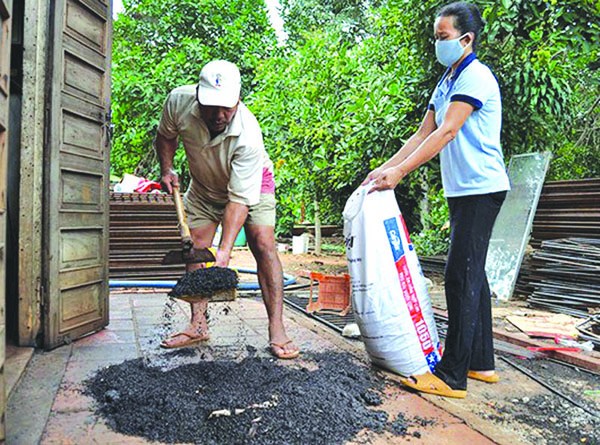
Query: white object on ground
(128,183)
(586,346)
(300,244)
(351,330)
(220,413)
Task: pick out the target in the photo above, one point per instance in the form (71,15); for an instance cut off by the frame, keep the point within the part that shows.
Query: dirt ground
(294,265)
(519,408)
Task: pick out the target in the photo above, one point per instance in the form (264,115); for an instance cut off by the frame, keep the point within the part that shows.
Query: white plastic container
(300,244)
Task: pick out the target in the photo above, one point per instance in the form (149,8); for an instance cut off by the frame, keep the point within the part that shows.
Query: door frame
(5,46)
(31,186)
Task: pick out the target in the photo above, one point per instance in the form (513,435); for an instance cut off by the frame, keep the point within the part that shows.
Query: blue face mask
(449,51)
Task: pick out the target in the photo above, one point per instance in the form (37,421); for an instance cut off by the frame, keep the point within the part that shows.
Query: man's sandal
(476,375)
(283,355)
(191,340)
(431,384)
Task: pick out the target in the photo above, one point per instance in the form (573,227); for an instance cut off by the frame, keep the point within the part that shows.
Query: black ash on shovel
(205,283)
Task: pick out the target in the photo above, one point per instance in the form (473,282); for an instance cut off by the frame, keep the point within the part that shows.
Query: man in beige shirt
(232,184)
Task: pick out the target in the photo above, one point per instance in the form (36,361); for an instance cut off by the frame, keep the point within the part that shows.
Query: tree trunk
(317,229)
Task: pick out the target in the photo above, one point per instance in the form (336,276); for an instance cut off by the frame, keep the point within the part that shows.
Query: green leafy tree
(543,54)
(302,18)
(338,108)
(434,236)
(159,45)
(352,83)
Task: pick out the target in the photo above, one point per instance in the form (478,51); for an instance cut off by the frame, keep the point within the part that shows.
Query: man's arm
(165,149)
(233,220)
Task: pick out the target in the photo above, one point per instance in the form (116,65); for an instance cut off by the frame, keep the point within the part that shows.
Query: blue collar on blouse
(465,63)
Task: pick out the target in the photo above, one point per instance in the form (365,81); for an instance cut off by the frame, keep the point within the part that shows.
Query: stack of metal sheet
(566,209)
(143,228)
(433,264)
(566,276)
(523,287)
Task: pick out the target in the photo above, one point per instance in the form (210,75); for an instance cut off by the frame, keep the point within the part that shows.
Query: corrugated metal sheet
(568,209)
(566,276)
(143,228)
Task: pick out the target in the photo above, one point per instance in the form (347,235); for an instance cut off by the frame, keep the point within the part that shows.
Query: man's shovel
(188,254)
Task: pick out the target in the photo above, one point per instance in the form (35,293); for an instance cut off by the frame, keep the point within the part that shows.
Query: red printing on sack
(405,229)
(412,303)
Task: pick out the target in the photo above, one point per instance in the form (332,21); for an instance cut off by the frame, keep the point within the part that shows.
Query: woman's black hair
(467,18)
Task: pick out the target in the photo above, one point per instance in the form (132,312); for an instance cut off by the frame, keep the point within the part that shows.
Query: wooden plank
(587,360)
(549,325)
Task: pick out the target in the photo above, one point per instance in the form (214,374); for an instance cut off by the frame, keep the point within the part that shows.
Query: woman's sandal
(476,375)
(431,384)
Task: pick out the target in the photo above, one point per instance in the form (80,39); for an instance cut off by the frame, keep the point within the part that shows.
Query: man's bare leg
(261,240)
(198,327)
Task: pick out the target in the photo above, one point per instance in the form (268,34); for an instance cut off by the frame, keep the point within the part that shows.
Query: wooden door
(5,42)
(77,171)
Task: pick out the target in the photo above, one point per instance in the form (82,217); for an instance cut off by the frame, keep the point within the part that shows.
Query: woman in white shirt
(462,124)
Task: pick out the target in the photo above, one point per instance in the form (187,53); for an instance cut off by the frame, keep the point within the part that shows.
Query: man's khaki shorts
(201,212)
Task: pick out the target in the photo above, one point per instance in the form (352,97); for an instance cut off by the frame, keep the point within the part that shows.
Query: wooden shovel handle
(184,230)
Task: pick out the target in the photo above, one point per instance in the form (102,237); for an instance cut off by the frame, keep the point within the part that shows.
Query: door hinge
(110,127)
(39,292)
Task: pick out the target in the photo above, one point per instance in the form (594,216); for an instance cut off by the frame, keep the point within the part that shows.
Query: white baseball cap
(220,84)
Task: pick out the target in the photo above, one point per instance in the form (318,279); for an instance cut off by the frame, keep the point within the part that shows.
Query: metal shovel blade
(189,256)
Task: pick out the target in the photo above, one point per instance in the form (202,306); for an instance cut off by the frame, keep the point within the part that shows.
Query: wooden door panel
(87,24)
(81,306)
(81,190)
(76,264)
(83,135)
(78,277)
(82,79)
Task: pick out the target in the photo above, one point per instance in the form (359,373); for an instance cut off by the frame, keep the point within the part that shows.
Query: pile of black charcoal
(329,399)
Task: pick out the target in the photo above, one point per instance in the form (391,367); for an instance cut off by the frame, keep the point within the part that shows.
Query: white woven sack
(389,295)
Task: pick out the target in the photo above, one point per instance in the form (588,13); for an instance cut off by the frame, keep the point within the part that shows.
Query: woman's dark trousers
(469,343)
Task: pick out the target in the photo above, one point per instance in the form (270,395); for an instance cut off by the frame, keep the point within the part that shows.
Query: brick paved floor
(48,407)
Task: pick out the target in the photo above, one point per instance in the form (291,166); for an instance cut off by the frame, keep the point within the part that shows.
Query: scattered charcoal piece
(422,421)
(399,426)
(371,398)
(111,396)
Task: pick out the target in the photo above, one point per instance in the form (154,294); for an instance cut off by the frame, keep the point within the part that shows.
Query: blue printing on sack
(393,234)
(432,360)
